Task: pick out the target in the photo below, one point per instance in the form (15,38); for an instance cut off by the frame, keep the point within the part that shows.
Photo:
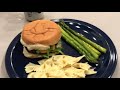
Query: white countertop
(11,24)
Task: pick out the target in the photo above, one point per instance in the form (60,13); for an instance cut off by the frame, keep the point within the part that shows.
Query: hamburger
(41,38)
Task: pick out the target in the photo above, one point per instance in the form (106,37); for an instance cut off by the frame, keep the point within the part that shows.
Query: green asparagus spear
(61,23)
(79,50)
(78,47)
(84,44)
(100,48)
(91,47)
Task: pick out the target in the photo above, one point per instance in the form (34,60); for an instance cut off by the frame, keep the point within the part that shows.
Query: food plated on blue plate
(59,45)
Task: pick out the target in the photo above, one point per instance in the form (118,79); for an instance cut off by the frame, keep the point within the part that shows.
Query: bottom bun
(30,55)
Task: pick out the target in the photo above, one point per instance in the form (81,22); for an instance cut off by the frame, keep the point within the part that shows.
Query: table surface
(11,24)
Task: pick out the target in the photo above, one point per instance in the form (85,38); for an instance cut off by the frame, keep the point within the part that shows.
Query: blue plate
(15,60)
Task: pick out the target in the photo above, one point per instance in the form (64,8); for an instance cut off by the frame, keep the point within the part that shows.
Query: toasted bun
(44,32)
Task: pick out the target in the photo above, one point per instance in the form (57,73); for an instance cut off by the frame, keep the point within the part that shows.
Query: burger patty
(52,49)
(36,51)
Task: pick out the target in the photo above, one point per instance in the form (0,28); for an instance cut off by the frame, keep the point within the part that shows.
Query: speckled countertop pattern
(11,24)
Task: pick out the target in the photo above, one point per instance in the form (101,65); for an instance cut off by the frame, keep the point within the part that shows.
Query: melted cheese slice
(35,46)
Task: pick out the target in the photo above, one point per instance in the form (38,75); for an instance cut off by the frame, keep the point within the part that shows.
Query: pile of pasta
(59,66)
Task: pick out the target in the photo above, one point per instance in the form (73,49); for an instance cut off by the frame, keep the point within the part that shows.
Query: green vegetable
(59,50)
(59,44)
(84,44)
(53,50)
(45,56)
(98,47)
(37,51)
(78,47)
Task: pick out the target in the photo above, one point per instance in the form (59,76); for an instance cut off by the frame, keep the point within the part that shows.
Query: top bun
(44,32)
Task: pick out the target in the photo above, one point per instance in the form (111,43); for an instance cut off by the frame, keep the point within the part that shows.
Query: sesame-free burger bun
(44,32)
